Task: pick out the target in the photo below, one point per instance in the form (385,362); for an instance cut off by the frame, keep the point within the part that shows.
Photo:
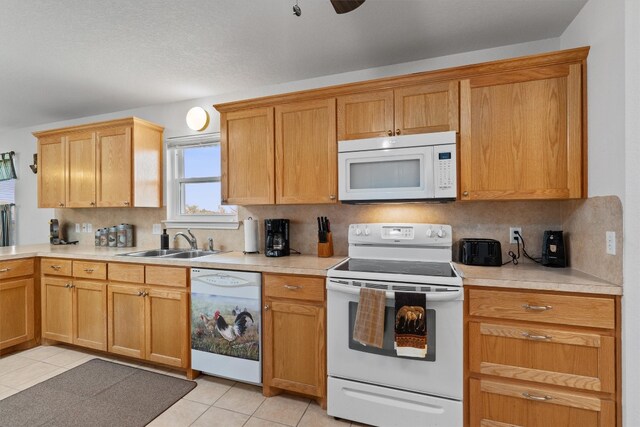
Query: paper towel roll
(250,235)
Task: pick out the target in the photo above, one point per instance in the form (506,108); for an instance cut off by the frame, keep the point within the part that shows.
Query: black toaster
(486,252)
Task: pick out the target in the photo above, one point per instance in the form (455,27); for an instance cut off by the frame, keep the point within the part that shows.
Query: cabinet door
(248,170)
(57,301)
(294,347)
(81,170)
(16,312)
(167,340)
(90,314)
(494,403)
(51,173)
(521,135)
(113,174)
(306,152)
(365,115)
(125,318)
(425,108)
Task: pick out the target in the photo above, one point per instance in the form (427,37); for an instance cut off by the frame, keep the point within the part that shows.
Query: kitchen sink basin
(170,253)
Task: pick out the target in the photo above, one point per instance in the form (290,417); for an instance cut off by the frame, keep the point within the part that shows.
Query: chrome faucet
(193,242)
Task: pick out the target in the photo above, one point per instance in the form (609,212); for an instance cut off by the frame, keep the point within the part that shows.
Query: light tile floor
(214,402)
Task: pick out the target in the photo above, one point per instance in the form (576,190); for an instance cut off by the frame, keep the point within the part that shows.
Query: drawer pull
(536,337)
(88,270)
(537,307)
(4,270)
(544,398)
(292,287)
(140,293)
(56,267)
(68,285)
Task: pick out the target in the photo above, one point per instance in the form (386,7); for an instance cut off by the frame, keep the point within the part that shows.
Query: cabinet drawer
(16,268)
(166,276)
(56,267)
(294,287)
(494,403)
(550,356)
(131,273)
(586,311)
(90,269)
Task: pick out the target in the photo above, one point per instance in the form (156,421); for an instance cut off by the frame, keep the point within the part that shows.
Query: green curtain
(7,169)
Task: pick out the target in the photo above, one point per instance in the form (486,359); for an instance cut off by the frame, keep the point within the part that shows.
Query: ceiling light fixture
(197,119)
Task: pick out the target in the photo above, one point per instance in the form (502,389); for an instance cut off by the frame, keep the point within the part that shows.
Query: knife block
(325,250)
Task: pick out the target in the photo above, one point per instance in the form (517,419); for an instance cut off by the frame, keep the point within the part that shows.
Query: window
(7,192)
(194,191)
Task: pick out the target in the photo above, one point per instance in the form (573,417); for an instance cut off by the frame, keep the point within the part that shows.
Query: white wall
(600,24)
(32,222)
(631,299)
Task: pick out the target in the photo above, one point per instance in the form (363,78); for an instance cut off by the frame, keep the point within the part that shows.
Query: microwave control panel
(445,176)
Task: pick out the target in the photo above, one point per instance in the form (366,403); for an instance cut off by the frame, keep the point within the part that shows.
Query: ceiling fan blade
(345,6)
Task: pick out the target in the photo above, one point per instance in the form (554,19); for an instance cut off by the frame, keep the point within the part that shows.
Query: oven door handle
(450,295)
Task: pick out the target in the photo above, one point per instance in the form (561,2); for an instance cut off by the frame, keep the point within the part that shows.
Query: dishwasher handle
(449,295)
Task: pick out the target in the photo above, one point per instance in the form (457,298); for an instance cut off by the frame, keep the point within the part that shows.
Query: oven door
(438,374)
(389,174)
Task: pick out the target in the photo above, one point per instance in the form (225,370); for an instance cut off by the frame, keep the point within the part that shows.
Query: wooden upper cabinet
(248,171)
(81,170)
(109,164)
(51,172)
(430,107)
(365,115)
(423,108)
(114,167)
(521,135)
(306,152)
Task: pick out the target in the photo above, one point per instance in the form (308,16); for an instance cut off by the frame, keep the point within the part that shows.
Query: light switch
(611,242)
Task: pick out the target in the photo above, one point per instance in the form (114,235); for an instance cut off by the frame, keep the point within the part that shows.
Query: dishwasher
(226,324)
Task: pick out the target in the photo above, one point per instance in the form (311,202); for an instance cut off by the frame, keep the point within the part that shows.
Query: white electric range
(375,386)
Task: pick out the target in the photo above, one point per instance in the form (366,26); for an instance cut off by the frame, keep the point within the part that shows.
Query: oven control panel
(400,234)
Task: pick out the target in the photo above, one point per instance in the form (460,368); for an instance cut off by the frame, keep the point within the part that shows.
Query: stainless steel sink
(170,253)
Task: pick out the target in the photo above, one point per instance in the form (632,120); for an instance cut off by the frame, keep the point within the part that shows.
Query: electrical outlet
(84,227)
(89,228)
(156,229)
(77,228)
(611,242)
(513,235)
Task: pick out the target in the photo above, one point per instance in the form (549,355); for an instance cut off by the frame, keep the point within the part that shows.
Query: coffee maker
(553,249)
(276,237)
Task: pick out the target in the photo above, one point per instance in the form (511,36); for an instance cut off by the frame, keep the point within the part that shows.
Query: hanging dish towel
(369,324)
(411,324)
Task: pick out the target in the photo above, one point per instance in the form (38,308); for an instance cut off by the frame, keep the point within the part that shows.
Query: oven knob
(366,231)
(441,232)
(358,232)
(429,232)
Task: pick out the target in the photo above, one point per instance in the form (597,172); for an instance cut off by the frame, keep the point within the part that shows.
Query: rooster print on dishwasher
(228,326)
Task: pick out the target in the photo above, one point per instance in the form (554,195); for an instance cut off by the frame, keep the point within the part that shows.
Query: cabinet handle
(140,293)
(292,287)
(92,203)
(126,203)
(465,193)
(397,131)
(68,285)
(536,337)
(61,205)
(71,286)
(332,197)
(145,294)
(88,270)
(56,267)
(538,398)
(266,307)
(537,307)
(4,270)
(390,132)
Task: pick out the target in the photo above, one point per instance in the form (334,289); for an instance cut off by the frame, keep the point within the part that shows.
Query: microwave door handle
(430,296)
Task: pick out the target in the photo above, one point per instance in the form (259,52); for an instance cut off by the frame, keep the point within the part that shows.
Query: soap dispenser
(164,240)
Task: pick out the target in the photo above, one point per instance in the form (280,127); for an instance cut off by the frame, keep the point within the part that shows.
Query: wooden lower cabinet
(16,312)
(294,338)
(498,404)
(148,323)
(74,312)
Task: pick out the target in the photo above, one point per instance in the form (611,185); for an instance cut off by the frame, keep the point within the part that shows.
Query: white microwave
(406,168)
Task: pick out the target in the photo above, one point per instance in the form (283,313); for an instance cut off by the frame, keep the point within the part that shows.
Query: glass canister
(98,237)
(113,236)
(129,229)
(121,240)
(104,237)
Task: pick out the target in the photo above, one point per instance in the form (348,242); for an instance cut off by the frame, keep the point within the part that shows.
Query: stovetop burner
(414,268)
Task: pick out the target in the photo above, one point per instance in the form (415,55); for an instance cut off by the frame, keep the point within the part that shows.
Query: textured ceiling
(73,58)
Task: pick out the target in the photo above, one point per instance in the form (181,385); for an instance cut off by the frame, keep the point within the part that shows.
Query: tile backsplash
(468,219)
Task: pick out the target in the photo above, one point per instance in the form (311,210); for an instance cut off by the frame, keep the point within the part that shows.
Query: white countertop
(521,276)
